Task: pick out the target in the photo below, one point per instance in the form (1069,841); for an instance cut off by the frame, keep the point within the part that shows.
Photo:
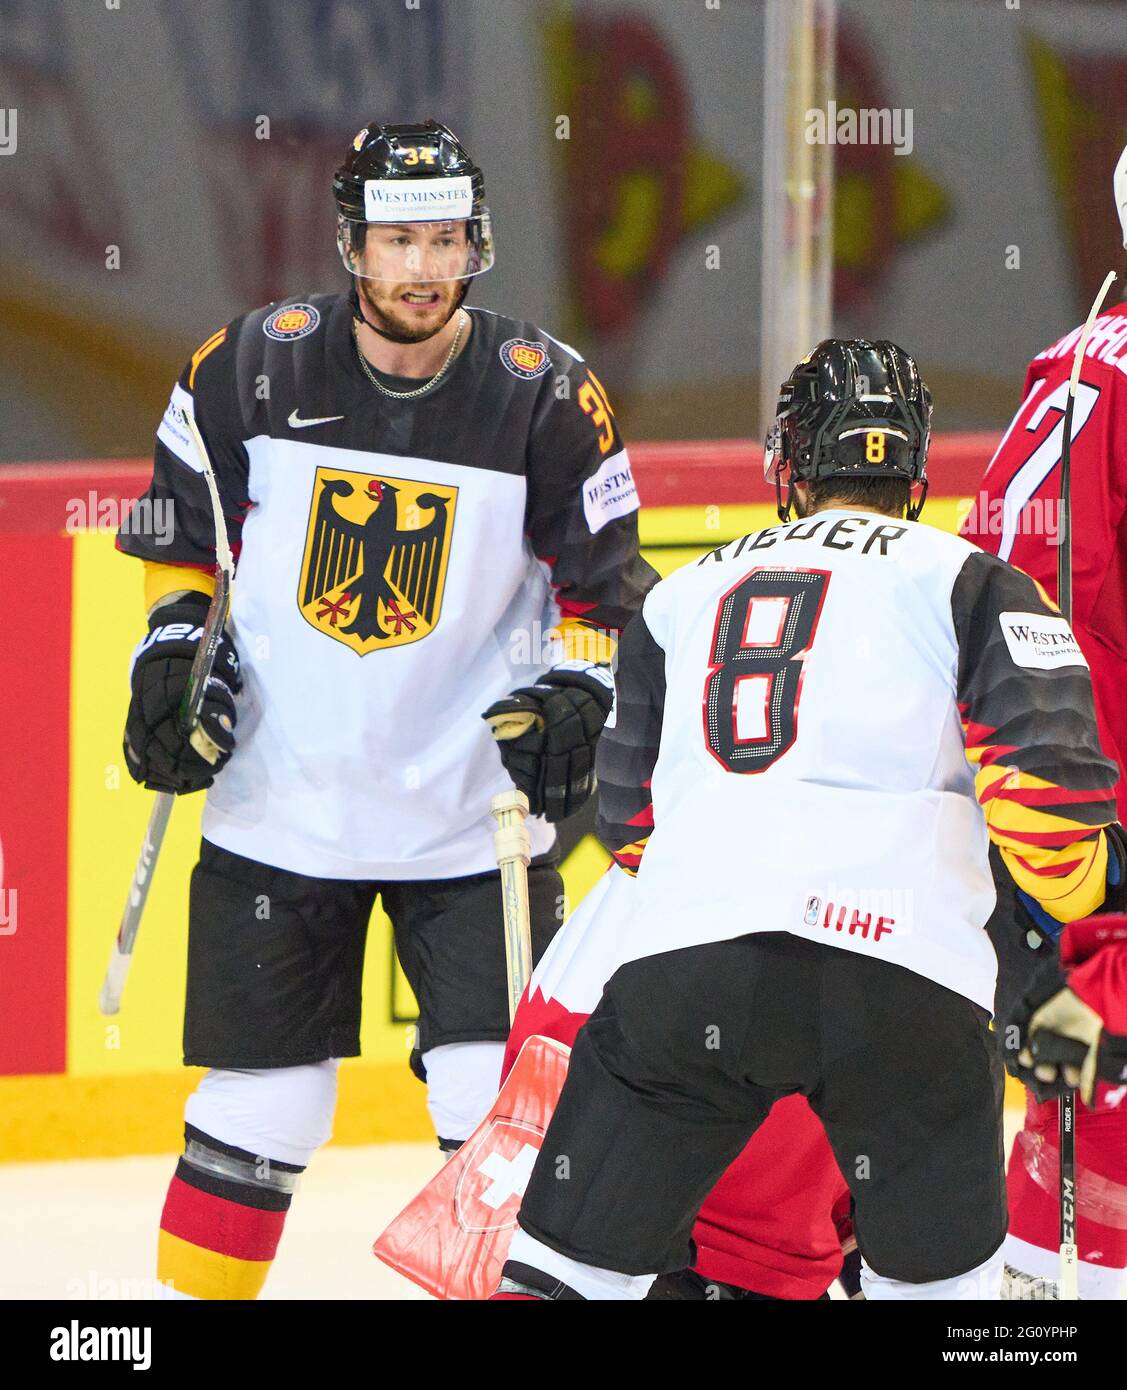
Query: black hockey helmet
(408,174)
(851,409)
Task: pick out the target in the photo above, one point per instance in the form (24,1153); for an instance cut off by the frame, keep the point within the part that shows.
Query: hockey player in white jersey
(417,495)
(818,728)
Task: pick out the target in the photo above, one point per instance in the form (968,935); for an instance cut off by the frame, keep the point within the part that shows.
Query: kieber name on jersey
(869,533)
(817,725)
(393,556)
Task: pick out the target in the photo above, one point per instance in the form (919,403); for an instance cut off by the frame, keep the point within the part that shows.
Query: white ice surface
(88,1228)
(67,1229)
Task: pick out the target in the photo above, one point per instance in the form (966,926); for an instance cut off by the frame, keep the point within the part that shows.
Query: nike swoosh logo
(297,423)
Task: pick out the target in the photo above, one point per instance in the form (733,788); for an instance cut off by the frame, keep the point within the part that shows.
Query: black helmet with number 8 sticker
(851,409)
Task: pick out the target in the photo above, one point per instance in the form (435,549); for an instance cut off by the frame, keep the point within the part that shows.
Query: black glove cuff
(175,630)
(595,679)
(1112,1058)
(189,607)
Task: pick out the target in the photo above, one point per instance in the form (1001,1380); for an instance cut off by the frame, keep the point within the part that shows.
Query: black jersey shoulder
(290,356)
(290,370)
(524,349)
(273,354)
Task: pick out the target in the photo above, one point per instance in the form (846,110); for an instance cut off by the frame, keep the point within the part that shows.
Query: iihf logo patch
(525,359)
(293,322)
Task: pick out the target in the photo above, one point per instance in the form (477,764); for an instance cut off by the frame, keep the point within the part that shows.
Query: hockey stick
(188,716)
(1066,1118)
(514,851)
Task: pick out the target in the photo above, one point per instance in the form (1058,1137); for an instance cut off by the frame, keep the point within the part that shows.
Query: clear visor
(772,454)
(416,252)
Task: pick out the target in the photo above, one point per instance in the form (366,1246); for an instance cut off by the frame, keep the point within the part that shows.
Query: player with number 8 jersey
(818,729)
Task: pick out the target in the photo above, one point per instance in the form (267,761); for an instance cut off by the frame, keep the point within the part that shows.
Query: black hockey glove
(1051,1043)
(1111,1064)
(1064,1045)
(547,734)
(157,751)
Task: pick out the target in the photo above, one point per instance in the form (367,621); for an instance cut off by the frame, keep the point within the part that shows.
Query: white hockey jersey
(803,716)
(400,565)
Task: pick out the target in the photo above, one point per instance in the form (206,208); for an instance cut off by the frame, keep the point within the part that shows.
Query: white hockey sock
(983,1282)
(285,1113)
(462,1083)
(588,1280)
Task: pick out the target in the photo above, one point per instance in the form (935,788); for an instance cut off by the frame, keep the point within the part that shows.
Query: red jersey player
(1016,516)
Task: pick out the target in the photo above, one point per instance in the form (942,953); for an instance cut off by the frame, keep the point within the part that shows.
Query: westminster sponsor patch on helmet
(524,358)
(428,199)
(293,322)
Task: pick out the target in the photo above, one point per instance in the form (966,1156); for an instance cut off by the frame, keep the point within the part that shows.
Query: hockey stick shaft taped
(513,850)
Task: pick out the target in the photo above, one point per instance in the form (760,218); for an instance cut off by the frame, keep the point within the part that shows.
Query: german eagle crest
(376,555)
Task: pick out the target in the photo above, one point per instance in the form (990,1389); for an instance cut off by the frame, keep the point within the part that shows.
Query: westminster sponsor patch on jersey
(525,358)
(293,322)
(172,433)
(376,555)
(1040,642)
(609,493)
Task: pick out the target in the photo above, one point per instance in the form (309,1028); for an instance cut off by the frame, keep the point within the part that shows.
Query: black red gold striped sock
(222,1219)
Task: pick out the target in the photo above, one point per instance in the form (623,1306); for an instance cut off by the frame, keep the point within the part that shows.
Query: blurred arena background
(141,128)
(168,167)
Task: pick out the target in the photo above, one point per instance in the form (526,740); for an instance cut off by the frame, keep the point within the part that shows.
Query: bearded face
(408,276)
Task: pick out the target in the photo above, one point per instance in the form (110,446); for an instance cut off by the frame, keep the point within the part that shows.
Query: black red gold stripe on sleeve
(629,857)
(1050,837)
(980,742)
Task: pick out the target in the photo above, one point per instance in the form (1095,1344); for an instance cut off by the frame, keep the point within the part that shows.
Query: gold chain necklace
(419,390)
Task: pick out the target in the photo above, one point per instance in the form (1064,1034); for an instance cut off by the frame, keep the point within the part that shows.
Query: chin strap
(783,508)
(914,508)
(358,312)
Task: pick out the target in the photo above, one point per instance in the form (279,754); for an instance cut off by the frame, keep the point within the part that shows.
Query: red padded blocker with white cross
(453,1238)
